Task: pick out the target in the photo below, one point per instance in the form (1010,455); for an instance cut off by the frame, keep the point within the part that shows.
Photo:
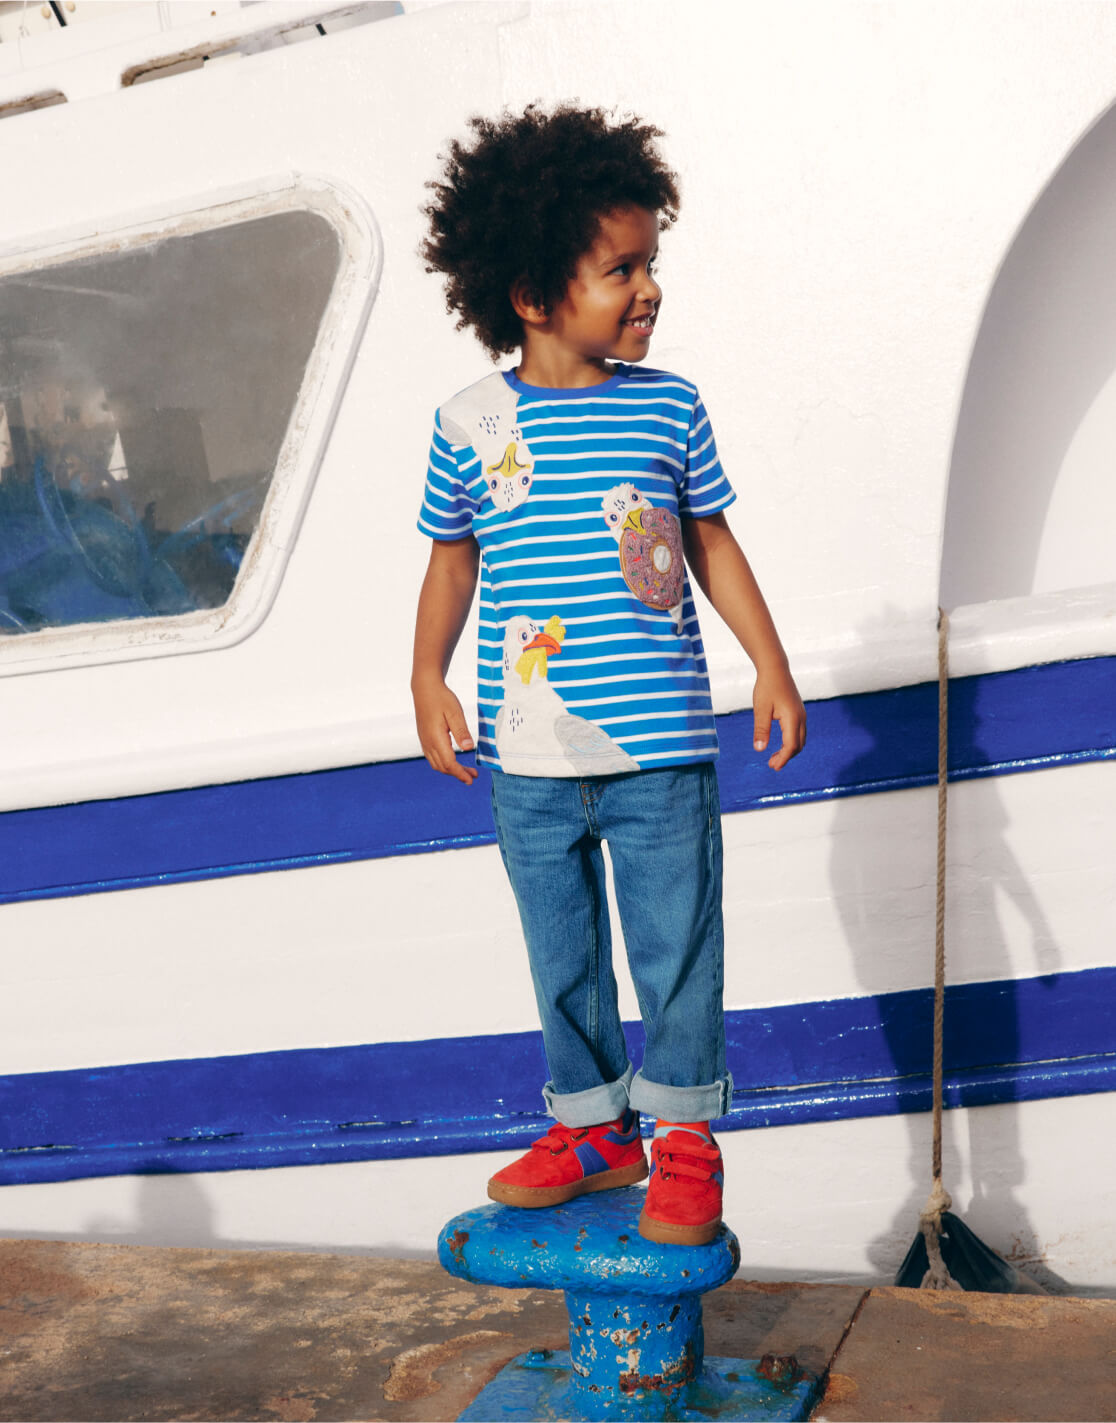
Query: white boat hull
(251,947)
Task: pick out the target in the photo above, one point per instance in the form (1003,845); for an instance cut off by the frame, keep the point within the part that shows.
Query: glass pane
(144,396)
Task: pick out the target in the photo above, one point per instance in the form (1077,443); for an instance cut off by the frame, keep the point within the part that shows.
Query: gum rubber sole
(664,1234)
(532,1197)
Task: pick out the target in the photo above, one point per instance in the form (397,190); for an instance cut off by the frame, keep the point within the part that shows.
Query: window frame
(304,441)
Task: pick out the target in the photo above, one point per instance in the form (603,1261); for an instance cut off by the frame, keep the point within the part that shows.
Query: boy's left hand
(776,699)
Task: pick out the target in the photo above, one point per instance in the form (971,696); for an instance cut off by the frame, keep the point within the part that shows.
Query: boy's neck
(555,367)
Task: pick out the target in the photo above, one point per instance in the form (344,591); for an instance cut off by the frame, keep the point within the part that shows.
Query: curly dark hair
(524,200)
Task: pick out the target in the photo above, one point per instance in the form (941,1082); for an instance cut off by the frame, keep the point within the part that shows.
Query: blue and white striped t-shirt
(590,658)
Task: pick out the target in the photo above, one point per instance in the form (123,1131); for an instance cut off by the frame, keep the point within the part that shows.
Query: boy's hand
(441,722)
(447,593)
(776,699)
(725,577)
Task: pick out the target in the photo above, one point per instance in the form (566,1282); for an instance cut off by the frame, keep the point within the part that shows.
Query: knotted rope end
(937,1277)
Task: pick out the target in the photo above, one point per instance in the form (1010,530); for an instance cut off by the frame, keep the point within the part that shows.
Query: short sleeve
(447,506)
(704,487)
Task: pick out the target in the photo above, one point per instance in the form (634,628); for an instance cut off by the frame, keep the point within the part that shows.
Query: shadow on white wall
(1032,499)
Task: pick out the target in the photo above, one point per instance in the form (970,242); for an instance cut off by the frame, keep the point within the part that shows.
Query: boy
(579,484)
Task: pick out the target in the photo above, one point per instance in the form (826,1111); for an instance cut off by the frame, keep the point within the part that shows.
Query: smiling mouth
(641,323)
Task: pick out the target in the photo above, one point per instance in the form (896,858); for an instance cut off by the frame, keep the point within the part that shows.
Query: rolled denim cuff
(591,1107)
(681,1104)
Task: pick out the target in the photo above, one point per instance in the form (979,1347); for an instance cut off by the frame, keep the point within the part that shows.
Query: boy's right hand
(441,722)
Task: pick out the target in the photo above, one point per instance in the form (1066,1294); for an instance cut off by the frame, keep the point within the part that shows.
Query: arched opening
(1032,498)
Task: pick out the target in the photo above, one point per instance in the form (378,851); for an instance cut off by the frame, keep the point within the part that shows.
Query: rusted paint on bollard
(636,1339)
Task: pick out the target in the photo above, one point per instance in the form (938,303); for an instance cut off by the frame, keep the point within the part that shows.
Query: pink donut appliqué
(652,562)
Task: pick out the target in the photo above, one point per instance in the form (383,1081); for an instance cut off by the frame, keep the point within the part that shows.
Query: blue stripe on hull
(1000,723)
(1006,1041)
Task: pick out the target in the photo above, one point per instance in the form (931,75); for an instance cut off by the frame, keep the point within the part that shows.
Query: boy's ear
(525,303)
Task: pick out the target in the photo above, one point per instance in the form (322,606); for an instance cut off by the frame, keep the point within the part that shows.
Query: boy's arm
(444,603)
(725,577)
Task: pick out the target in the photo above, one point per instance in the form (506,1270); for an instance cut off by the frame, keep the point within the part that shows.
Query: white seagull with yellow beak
(535,734)
(484,416)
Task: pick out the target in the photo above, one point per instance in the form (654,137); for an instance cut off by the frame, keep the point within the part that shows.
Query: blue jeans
(664,837)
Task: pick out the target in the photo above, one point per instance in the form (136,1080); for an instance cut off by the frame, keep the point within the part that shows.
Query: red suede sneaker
(569,1161)
(683,1205)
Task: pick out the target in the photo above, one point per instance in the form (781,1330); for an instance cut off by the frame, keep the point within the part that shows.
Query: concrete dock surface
(118,1332)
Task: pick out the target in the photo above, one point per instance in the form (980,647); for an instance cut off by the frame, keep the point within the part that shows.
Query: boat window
(145,393)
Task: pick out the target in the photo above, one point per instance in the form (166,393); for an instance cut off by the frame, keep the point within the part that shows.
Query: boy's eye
(624,268)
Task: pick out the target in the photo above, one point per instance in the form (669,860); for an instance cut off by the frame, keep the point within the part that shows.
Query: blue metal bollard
(636,1340)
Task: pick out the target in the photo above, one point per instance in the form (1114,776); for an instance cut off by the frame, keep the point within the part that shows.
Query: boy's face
(610,306)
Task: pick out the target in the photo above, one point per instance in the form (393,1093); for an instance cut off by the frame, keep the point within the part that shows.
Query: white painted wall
(854,175)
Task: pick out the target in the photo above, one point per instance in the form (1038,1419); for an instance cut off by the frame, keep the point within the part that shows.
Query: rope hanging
(937,1277)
